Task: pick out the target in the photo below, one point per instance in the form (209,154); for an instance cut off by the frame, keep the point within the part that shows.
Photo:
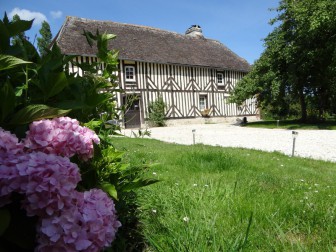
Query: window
(220,79)
(130,73)
(202,102)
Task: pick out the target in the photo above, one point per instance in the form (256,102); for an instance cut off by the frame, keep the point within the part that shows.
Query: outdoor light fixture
(194,131)
(294,135)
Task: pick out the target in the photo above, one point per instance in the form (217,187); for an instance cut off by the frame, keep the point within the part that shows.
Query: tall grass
(226,199)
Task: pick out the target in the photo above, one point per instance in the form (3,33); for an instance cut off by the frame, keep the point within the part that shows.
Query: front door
(132,115)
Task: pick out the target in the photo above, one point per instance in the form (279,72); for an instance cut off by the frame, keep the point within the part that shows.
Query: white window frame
(220,83)
(203,102)
(131,69)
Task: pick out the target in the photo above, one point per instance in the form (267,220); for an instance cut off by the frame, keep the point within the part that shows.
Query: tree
(44,41)
(298,63)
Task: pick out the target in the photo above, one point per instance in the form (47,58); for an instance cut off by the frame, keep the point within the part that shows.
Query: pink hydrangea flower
(10,178)
(90,225)
(9,145)
(51,180)
(61,136)
(10,151)
(47,181)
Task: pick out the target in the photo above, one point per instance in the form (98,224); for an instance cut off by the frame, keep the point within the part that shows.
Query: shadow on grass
(129,237)
(293,124)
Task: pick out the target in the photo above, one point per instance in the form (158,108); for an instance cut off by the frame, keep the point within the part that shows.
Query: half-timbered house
(193,74)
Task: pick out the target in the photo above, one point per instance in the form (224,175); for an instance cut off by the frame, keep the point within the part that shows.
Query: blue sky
(239,24)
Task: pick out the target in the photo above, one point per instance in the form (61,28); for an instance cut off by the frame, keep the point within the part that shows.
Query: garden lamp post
(294,135)
(194,131)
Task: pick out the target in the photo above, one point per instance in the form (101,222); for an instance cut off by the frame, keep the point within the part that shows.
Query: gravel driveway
(317,144)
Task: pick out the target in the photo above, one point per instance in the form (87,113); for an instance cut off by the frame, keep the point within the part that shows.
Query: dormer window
(130,73)
(220,79)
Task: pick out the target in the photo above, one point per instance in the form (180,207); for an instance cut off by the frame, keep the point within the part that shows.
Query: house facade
(192,74)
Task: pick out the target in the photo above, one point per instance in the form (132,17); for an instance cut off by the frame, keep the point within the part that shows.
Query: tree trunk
(303,106)
(323,102)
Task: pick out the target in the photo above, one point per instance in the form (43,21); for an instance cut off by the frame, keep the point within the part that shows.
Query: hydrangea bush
(36,175)
(39,169)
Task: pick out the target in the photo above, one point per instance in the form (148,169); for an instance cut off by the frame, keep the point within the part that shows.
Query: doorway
(132,117)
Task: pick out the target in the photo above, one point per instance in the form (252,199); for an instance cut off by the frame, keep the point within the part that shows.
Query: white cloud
(28,15)
(56,14)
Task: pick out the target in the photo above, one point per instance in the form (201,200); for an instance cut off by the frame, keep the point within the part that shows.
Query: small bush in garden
(141,133)
(156,111)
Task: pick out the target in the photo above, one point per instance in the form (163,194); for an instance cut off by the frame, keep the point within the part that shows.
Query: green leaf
(93,124)
(7,62)
(89,37)
(5,218)
(111,154)
(36,112)
(96,99)
(19,91)
(7,101)
(29,52)
(138,183)
(124,167)
(110,189)
(56,83)
(17,27)
(70,104)
(106,36)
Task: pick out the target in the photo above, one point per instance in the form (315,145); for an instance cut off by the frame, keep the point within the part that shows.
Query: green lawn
(293,124)
(208,194)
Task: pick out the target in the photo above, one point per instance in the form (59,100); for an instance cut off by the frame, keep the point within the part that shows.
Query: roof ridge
(60,32)
(140,26)
(121,23)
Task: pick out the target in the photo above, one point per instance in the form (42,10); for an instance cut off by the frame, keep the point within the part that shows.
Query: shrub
(156,111)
